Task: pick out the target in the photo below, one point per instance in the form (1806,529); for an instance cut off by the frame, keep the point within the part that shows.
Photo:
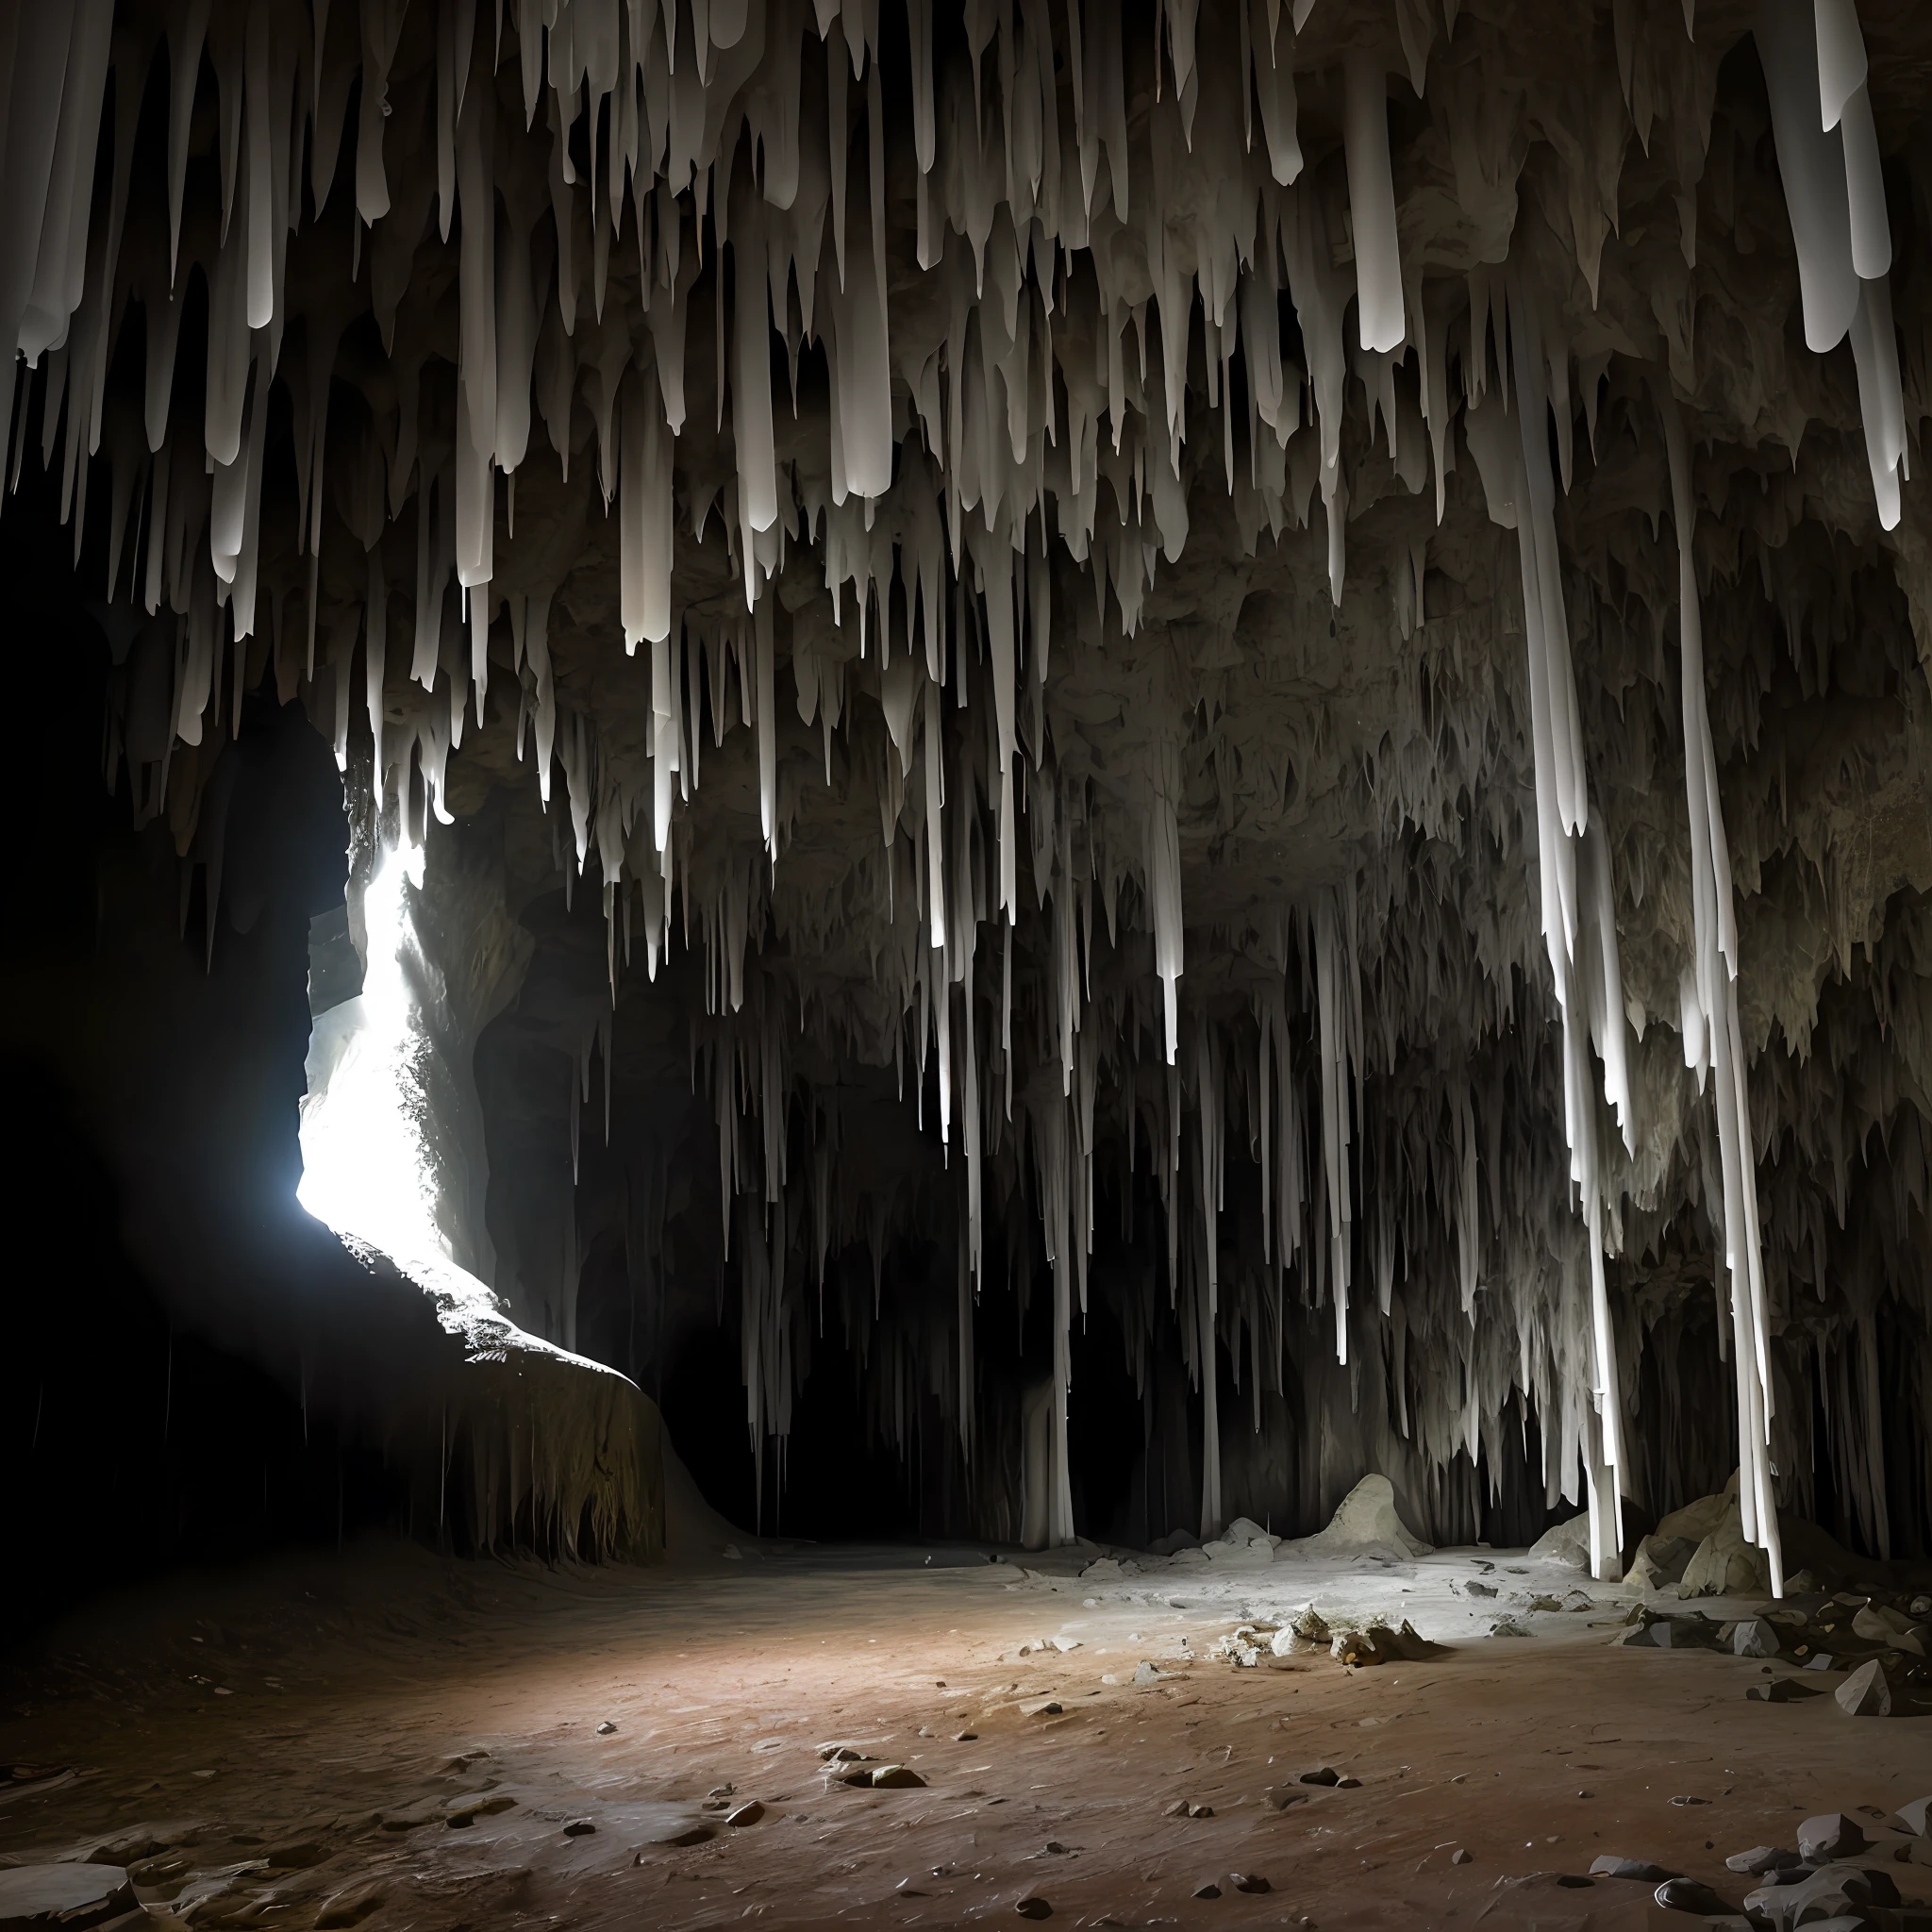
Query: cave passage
(1083,842)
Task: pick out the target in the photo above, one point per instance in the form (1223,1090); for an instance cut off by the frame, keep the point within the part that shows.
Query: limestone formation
(1309,625)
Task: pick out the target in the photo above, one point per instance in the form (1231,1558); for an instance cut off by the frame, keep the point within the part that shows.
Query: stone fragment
(1033,1907)
(1641,1870)
(1782,1691)
(1753,1637)
(1829,1836)
(1207,1889)
(1321,1774)
(1279,1797)
(579,1828)
(1144,1673)
(895,1777)
(1200,1810)
(606,1728)
(1660,1560)
(1479,1588)
(1871,1691)
(1833,1891)
(1688,1895)
(1917,1816)
(1177,1810)
(1459,1857)
(1248,1881)
(1760,1860)
(64,1895)
(752,1810)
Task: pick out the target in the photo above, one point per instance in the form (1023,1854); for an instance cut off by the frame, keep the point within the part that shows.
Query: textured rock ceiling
(1257,664)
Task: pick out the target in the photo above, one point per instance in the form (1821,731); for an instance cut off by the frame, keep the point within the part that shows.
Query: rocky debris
(1249,1882)
(1830,1835)
(1832,1892)
(1207,1889)
(1366,1518)
(838,1752)
(1871,1691)
(606,1728)
(1040,1706)
(1760,1860)
(1671,1630)
(1321,1774)
(1378,1644)
(1565,1543)
(1145,1673)
(1244,1541)
(1476,1588)
(1755,1636)
(579,1828)
(752,1810)
(1033,1907)
(1459,1857)
(891,1777)
(1782,1691)
(1544,1603)
(1279,1797)
(64,1895)
(1640,1870)
(1917,1816)
(1688,1895)
(1507,1626)
(1659,1561)
(965,1737)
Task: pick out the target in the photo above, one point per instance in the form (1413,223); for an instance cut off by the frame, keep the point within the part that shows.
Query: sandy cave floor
(283,1746)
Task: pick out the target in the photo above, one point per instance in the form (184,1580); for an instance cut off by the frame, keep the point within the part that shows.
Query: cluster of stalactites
(596,161)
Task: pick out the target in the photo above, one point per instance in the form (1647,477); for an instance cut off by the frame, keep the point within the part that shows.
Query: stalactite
(1308,765)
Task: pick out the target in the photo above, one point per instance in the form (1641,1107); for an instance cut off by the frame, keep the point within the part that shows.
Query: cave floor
(283,1746)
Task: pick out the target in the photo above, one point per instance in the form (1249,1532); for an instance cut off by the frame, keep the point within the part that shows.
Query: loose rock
(1760,1860)
(1755,1636)
(895,1777)
(1688,1895)
(1249,1881)
(1870,1691)
(1829,1836)
(1208,1889)
(1033,1907)
(1641,1870)
(1782,1691)
(751,1811)
(579,1828)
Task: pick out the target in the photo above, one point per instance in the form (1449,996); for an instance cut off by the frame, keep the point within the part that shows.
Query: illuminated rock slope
(1253,664)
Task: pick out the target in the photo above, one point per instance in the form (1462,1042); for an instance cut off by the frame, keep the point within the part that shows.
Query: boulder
(1565,1543)
(1659,1561)
(1364,1519)
(1829,1836)
(1870,1691)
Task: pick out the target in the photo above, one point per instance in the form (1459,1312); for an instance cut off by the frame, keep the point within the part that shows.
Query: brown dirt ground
(276,1731)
